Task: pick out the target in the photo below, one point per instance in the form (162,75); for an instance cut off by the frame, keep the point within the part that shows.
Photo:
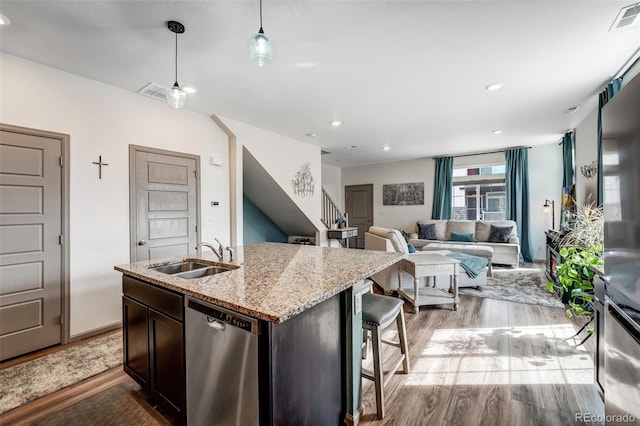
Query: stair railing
(330,211)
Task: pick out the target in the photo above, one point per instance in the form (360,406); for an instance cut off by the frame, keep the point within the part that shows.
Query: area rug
(34,379)
(519,285)
(114,406)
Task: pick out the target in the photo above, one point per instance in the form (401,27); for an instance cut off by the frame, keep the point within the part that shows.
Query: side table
(429,265)
(343,234)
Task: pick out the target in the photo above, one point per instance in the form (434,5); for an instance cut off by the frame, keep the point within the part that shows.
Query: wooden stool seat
(378,312)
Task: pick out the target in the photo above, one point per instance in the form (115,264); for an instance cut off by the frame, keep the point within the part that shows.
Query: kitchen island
(300,307)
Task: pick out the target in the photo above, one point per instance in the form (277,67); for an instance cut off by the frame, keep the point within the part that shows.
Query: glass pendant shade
(176,96)
(260,49)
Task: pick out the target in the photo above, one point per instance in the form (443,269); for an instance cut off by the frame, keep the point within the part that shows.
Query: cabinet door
(136,340)
(166,345)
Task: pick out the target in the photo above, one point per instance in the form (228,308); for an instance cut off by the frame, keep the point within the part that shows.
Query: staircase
(330,211)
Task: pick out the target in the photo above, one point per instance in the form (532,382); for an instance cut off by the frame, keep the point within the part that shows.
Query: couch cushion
(397,240)
(427,231)
(467,238)
(483,228)
(461,227)
(441,227)
(500,234)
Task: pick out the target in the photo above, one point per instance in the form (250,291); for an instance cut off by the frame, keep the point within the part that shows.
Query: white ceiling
(410,74)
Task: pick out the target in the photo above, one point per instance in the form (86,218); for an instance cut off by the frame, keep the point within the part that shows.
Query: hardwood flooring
(489,363)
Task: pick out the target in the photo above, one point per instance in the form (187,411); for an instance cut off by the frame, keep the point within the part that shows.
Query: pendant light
(260,46)
(176,95)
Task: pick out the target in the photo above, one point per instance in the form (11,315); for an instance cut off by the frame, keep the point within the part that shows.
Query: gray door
(164,204)
(359,207)
(30,252)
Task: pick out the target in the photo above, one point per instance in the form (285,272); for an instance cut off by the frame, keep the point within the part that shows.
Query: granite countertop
(274,281)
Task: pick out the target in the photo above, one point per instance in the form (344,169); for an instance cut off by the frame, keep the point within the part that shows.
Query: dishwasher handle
(220,318)
(215,324)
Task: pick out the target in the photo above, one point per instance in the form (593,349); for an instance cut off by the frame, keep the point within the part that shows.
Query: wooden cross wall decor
(99,163)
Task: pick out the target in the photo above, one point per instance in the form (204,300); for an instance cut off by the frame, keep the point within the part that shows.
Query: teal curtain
(517,188)
(567,159)
(442,188)
(606,95)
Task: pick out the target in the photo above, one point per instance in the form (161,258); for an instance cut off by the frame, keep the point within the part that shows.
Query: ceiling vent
(155,91)
(626,17)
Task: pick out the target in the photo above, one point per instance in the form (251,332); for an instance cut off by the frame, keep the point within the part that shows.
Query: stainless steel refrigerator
(621,175)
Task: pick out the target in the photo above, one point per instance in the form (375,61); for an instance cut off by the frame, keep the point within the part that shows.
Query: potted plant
(581,249)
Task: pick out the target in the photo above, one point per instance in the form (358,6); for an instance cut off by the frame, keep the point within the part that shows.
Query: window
(479,193)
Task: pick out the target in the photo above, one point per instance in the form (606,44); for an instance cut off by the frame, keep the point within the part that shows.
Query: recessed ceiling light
(497,131)
(336,123)
(311,135)
(4,20)
(351,147)
(386,147)
(190,89)
(572,109)
(494,86)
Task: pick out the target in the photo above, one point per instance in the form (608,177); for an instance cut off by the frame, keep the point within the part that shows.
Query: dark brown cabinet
(153,329)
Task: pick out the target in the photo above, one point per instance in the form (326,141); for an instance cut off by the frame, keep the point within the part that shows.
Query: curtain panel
(517,188)
(567,159)
(442,188)
(605,96)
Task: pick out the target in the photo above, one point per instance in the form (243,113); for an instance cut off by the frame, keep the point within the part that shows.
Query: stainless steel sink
(193,268)
(175,268)
(202,272)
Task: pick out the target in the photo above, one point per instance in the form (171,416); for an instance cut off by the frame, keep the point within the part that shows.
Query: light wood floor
(489,363)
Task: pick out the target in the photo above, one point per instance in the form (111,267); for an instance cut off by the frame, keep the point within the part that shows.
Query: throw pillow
(500,234)
(467,238)
(411,248)
(427,232)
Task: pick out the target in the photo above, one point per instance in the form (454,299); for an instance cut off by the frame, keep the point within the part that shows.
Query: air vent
(323,152)
(155,91)
(626,17)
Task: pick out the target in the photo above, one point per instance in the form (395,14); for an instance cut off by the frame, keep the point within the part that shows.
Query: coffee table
(429,265)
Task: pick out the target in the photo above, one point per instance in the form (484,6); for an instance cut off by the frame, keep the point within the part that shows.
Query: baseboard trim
(96,331)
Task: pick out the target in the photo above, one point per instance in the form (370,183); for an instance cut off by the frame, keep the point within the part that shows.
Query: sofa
(504,241)
(386,239)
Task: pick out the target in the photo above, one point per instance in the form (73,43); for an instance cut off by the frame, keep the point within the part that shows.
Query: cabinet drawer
(161,300)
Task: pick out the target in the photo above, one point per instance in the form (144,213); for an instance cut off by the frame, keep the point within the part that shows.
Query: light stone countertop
(274,281)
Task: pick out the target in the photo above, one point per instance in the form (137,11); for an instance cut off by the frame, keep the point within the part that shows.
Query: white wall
(332,183)
(545,175)
(281,157)
(545,183)
(399,217)
(103,120)
(586,151)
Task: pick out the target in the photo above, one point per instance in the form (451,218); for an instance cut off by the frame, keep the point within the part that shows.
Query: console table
(429,265)
(343,234)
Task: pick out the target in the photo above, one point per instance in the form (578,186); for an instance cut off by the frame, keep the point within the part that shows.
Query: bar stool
(378,312)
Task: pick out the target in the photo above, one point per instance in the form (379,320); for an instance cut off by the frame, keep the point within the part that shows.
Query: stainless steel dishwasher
(222,366)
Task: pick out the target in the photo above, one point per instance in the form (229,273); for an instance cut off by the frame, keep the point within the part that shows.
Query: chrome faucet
(230,250)
(220,249)
(215,251)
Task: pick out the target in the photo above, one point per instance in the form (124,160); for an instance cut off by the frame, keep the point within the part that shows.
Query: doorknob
(142,243)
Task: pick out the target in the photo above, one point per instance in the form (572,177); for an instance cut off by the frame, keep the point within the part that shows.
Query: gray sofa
(504,253)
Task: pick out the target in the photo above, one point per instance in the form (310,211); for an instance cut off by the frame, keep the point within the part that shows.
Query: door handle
(142,243)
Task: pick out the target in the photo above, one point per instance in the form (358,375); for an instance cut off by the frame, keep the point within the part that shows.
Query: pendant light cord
(260,14)
(177,56)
